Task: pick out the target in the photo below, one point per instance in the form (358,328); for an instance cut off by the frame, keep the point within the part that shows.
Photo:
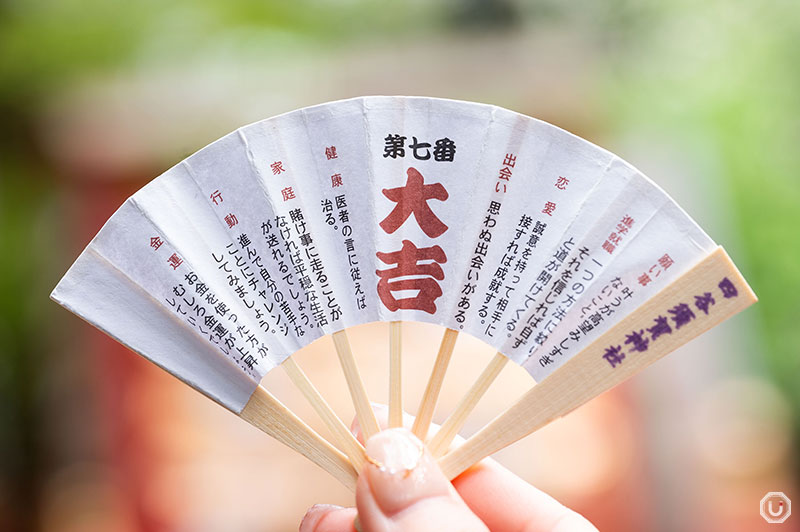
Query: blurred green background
(97,97)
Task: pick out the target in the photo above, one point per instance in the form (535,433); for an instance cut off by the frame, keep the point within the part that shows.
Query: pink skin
(403,489)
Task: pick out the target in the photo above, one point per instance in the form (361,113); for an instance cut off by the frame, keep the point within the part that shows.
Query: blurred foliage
(47,43)
(28,229)
(729,75)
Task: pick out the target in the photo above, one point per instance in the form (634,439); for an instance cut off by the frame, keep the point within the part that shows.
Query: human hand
(401,488)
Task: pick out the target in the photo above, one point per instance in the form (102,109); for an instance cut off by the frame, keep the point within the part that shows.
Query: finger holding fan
(561,256)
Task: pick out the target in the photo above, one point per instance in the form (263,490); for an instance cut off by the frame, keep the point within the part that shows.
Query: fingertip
(328,518)
(402,488)
(400,470)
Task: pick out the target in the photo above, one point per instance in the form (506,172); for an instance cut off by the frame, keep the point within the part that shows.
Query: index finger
(504,501)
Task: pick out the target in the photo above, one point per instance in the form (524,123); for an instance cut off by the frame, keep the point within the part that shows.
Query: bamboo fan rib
(559,255)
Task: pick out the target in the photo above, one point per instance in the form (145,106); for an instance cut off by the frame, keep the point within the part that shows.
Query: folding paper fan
(561,256)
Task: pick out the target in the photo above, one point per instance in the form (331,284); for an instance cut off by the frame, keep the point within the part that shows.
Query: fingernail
(397,451)
(314,514)
(400,471)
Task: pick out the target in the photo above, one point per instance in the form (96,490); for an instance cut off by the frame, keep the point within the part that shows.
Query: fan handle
(591,372)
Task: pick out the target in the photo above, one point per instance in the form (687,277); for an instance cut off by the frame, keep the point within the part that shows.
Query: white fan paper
(464,215)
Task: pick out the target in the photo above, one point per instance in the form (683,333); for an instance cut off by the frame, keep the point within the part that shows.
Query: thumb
(402,488)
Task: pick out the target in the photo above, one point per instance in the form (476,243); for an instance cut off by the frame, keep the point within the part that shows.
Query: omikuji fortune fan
(561,256)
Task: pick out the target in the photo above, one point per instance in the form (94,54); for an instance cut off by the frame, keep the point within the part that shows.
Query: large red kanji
(413,198)
(425,275)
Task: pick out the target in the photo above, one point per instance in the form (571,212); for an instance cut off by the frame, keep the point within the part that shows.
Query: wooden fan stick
(441,440)
(344,439)
(425,414)
(676,313)
(364,413)
(266,413)
(395,375)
